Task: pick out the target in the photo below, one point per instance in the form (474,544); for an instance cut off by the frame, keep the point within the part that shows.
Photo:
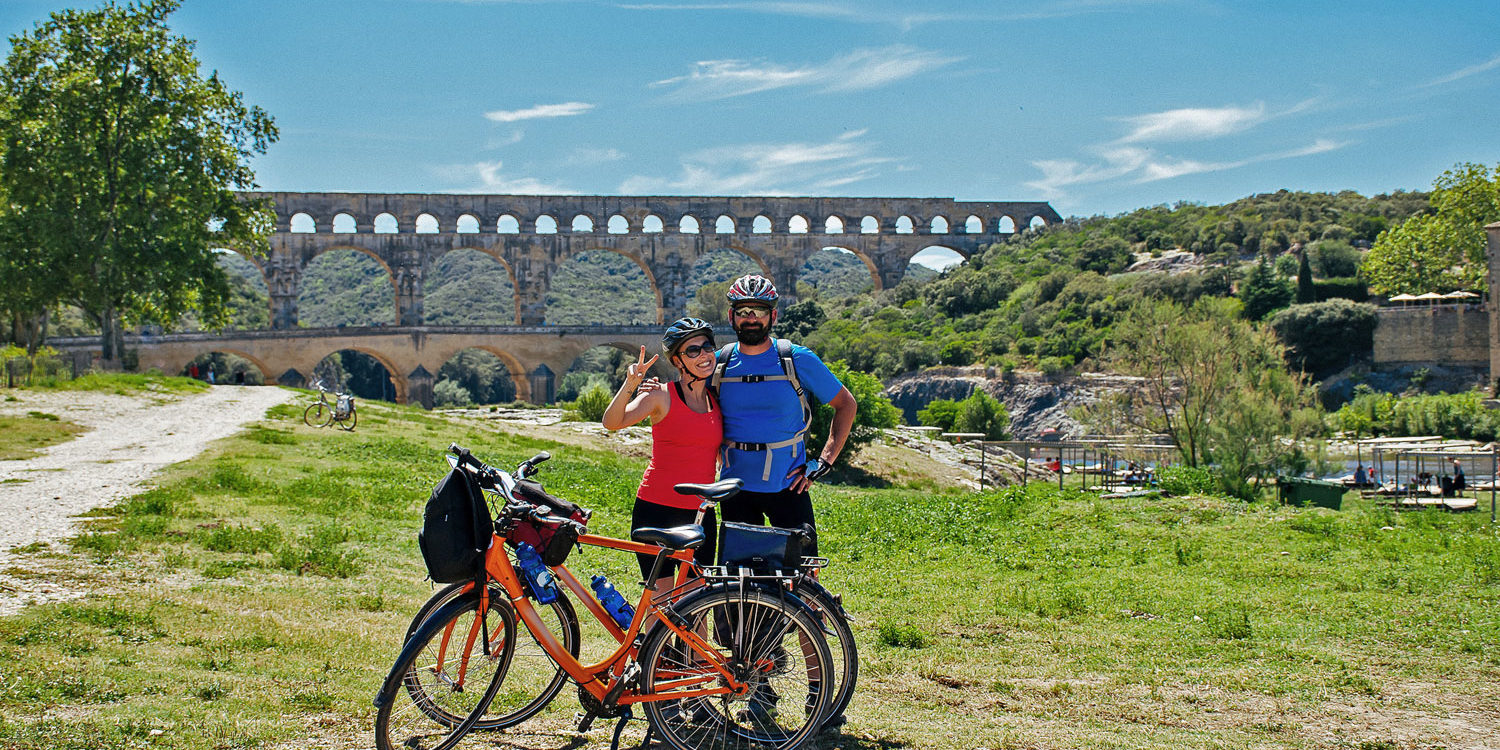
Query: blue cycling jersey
(769,412)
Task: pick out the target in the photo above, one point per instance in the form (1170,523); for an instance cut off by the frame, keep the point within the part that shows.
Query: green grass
(123,383)
(25,436)
(257,595)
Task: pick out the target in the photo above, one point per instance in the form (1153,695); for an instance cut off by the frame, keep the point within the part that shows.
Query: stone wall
(1445,334)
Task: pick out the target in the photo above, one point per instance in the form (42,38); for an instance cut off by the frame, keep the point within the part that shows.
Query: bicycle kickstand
(620,731)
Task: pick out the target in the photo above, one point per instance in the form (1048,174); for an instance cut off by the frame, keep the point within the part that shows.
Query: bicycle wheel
(317,415)
(348,424)
(534,678)
(771,642)
(845,664)
(424,705)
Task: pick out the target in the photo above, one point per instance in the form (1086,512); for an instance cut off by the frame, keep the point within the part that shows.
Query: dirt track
(130,439)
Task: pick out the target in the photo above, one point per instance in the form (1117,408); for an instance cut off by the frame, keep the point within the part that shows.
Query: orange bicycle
(728,661)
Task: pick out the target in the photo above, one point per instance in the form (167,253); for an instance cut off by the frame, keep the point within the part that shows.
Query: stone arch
(386,223)
(726,224)
(761,224)
(905,225)
(834,224)
(689,224)
(712,275)
(1006,225)
(652,283)
(466,224)
(546,224)
(344,223)
(618,225)
(583,223)
(258,263)
(389,274)
(507,224)
(435,305)
(220,377)
(941,256)
(798,224)
(302,223)
(938,225)
(869,225)
(856,252)
(653,224)
(1036,222)
(513,366)
(398,381)
(425,224)
(973,225)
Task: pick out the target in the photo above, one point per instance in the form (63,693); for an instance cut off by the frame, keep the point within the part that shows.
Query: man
(764,420)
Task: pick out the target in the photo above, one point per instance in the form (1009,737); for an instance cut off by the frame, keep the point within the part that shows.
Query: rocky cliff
(1036,402)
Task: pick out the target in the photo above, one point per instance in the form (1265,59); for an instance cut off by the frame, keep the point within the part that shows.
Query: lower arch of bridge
(869,264)
(265,373)
(513,366)
(432,291)
(756,258)
(398,377)
(390,276)
(651,281)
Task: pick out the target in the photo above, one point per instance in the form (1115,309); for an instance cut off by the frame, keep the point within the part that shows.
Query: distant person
(687,429)
(193,371)
(1458,476)
(1361,479)
(210,374)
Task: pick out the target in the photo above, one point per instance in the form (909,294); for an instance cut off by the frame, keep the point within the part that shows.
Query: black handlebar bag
(456,529)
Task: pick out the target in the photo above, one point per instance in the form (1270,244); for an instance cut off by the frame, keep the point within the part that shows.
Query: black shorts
(784,509)
(647,513)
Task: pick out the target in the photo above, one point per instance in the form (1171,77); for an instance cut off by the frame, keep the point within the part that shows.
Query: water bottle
(536,575)
(613,602)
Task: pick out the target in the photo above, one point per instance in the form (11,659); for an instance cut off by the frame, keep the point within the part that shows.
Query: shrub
(1188,480)
(592,403)
(1324,335)
(940,412)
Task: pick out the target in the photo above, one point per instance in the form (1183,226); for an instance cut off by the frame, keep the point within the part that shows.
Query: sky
(1098,106)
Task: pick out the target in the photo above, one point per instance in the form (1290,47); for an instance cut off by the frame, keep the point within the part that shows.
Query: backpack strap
(788,374)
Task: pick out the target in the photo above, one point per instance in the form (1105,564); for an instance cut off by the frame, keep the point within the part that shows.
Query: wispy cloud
(585,156)
(1463,73)
(859,70)
(489,177)
(768,169)
(1189,124)
(541,111)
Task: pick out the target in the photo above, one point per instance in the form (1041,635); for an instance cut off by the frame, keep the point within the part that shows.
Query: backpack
(456,529)
(788,373)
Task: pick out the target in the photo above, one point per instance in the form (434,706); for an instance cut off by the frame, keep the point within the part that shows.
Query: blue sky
(1100,106)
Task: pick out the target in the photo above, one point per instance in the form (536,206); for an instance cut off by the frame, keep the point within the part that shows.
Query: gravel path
(130,438)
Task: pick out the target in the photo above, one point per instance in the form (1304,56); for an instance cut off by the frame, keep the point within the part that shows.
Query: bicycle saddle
(716,491)
(677,537)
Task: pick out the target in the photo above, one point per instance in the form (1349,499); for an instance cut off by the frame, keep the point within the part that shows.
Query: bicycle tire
(348,424)
(749,626)
(529,663)
(420,706)
(317,415)
(841,644)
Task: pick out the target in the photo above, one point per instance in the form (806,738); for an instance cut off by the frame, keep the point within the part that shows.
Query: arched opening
(508,225)
(426,224)
(467,224)
(652,224)
(582,223)
(760,225)
(224,368)
(603,367)
(473,376)
(599,287)
(1007,225)
(302,224)
(834,272)
(354,371)
(249,297)
(724,225)
(931,261)
(688,225)
(939,225)
(345,288)
(833,225)
(469,288)
(712,274)
(1037,222)
(546,225)
(869,225)
(386,224)
(796,225)
(973,225)
(619,225)
(344,224)
(904,225)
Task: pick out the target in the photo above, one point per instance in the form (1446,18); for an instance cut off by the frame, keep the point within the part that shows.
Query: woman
(686,431)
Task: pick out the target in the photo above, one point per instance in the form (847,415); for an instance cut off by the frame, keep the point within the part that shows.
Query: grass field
(257,595)
(23,436)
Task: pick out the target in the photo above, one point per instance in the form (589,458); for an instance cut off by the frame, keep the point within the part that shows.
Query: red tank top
(684,448)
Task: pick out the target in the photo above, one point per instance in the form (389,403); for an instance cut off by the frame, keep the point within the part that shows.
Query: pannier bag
(345,404)
(762,548)
(456,529)
(542,535)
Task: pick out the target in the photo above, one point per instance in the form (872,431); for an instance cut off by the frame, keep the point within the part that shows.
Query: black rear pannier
(456,529)
(762,548)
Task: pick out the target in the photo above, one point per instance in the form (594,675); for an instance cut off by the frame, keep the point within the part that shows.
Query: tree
(1214,383)
(1263,291)
(875,412)
(1325,335)
(1444,249)
(1306,292)
(982,413)
(119,168)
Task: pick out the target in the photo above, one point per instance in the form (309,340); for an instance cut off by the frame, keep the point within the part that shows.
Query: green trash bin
(1304,491)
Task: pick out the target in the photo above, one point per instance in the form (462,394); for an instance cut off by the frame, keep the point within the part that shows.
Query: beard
(752,334)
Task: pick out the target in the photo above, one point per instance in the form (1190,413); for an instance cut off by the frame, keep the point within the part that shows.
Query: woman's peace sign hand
(637,372)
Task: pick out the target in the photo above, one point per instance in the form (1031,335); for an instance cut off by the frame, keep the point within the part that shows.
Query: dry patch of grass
(24,436)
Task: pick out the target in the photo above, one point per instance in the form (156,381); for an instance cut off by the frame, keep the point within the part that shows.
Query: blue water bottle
(613,602)
(536,575)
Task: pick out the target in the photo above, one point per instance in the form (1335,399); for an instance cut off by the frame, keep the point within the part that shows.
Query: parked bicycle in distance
(341,411)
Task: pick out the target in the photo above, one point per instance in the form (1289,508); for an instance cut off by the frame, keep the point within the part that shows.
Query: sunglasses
(695,350)
(752,312)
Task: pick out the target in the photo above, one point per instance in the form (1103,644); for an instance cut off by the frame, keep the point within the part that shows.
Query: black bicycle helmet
(752,288)
(683,329)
